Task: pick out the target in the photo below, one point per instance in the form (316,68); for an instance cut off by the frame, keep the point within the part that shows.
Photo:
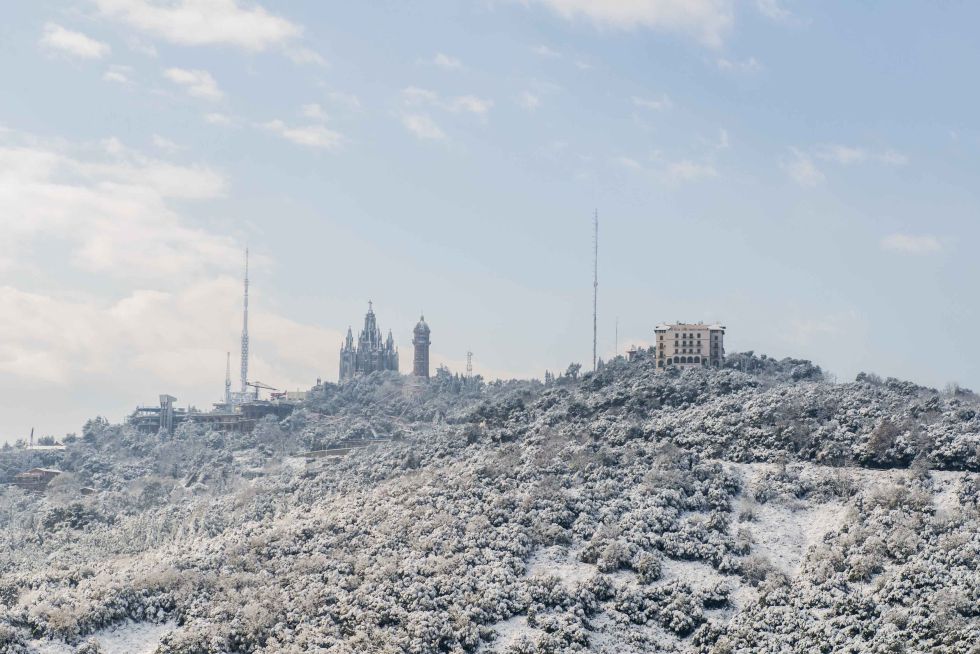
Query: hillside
(758,508)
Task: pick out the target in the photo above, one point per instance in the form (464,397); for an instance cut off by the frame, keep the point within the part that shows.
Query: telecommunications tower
(245,333)
(228,379)
(595,286)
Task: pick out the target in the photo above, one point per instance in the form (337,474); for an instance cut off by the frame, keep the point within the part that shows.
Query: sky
(804,172)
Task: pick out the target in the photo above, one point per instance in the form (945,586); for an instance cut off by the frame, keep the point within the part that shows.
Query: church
(371,353)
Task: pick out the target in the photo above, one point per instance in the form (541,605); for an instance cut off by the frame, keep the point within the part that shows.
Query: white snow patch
(510,631)
(784,535)
(124,638)
(133,637)
(559,561)
(946,485)
(49,647)
(698,575)
(701,576)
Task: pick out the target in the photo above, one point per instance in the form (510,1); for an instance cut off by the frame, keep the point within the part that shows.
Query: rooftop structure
(690,345)
(36,479)
(371,353)
(240,418)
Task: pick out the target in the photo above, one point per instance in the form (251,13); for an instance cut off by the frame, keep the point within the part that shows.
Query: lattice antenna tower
(245,332)
(228,378)
(595,287)
(469,365)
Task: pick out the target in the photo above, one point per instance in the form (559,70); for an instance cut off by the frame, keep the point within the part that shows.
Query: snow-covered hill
(758,508)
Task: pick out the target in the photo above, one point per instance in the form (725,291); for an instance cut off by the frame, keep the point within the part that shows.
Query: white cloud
(470,104)
(347,100)
(305,56)
(802,169)
(215,118)
(76,44)
(118,74)
(847,155)
(708,21)
(630,162)
(772,9)
(112,207)
(657,104)
(892,158)
(414,96)
(140,46)
(545,51)
(172,309)
(689,171)
(314,111)
(313,136)
(203,22)
(446,62)
(151,340)
(911,244)
(165,144)
(529,101)
(750,65)
(423,127)
(198,83)
(680,171)
(723,142)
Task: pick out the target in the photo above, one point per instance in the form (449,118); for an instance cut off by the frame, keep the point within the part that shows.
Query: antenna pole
(245,332)
(228,379)
(617,337)
(595,287)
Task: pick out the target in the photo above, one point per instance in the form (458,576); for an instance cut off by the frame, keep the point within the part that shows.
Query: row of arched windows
(679,360)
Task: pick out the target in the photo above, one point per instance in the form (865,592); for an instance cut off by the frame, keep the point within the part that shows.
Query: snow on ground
(699,575)
(133,637)
(947,485)
(559,561)
(50,647)
(125,638)
(783,534)
(509,632)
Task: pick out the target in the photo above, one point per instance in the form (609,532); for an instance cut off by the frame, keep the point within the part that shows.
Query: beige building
(686,345)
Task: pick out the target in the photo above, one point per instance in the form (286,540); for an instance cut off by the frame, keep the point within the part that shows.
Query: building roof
(39,471)
(689,325)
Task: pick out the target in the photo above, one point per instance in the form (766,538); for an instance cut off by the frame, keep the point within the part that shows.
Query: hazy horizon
(803,173)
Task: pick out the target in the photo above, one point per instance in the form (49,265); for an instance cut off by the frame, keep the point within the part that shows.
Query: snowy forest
(762,507)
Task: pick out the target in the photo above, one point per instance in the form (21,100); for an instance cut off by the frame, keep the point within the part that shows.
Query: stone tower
(421,343)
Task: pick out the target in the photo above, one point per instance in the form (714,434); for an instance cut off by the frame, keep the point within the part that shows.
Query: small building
(36,479)
(690,345)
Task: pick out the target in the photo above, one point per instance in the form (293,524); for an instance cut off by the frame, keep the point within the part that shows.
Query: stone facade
(371,352)
(421,342)
(687,345)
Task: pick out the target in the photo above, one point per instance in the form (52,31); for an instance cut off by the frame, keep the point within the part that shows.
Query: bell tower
(421,342)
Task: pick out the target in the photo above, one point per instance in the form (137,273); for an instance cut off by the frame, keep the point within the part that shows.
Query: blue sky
(804,172)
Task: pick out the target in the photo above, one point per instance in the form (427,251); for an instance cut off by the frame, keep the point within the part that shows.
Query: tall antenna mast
(245,332)
(228,379)
(617,338)
(469,365)
(595,286)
